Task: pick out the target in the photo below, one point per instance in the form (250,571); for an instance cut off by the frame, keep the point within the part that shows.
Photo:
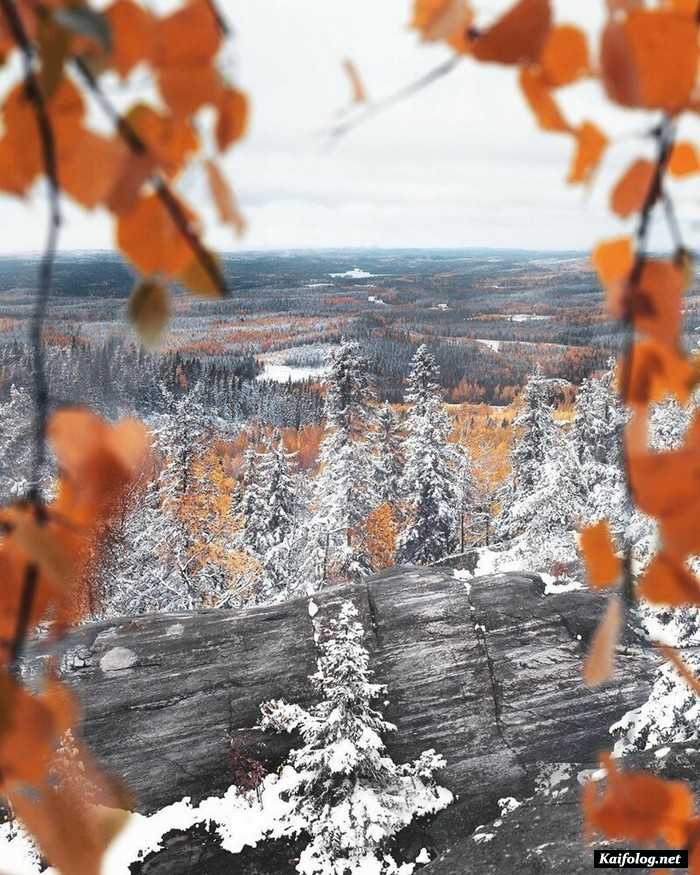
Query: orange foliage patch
(632,190)
(638,807)
(518,37)
(591,144)
(564,58)
(603,564)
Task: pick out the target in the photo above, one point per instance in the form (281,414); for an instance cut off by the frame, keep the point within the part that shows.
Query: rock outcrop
(488,675)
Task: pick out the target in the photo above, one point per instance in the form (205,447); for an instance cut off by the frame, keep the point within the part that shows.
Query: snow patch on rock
(117,659)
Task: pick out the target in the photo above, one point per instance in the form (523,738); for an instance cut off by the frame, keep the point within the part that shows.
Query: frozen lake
(285,373)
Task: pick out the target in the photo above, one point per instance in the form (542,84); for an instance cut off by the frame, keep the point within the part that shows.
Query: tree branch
(664,135)
(162,189)
(47,142)
(343,127)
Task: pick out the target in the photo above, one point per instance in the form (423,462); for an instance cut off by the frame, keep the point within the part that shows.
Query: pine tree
(466,489)
(599,420)
(270,513)
(348,793)
(549,516)
(15,444)
(161,552)
(342,498)
(534,426)
(427,483)
(387,457)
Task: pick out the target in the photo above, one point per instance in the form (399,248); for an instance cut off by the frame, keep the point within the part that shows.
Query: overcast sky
(460,164)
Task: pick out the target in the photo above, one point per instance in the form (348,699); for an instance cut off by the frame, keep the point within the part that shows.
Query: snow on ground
(241,819)
(355,274)
(371,299)
(526,317)
(285,373)
(501,561)
(495,345)
(670,714)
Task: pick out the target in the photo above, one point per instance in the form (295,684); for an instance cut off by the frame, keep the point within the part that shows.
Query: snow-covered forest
(231,513)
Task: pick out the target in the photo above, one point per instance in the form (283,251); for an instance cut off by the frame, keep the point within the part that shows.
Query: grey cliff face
(490,678)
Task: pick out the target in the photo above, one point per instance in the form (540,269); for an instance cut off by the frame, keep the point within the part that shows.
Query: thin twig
(221,22)
(342,128)
(664,135)
(47,142)
(169,200)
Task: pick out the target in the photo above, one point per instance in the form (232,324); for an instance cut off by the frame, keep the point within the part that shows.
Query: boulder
(487,673)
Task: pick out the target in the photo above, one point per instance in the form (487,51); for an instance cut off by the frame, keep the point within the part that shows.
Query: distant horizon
(37,253)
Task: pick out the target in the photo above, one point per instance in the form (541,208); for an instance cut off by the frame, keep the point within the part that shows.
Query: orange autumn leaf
(185,90)
(665,483)
(543,105)
(359,93)
(668,582)
(133,173)
(232,117)
(31,727)
(564,57)
(600,662)
(632,190)
(591,144)
(649,59)
(198,280)
(88,172)
(185,46)
(148,236)
(657,371)
(680,531)
(518,36)
(149,310)
(613,259)
(684,160)
(56,550)
(188,37)
(441,19)
(132,28)
(654,304)
(15,177)
(638,807)
(224,198)
(685,7)
(603,565)
(171,141)
(617,70)
(74,813)
(21,140)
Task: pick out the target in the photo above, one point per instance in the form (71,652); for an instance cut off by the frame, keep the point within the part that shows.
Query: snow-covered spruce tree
(342,494)
(347,792)
(549,515)
(597,428)
(15,444)
(533,426)
(466,490)
(270,513)
(428,483)
(250,500)
(158,559)
(387,457)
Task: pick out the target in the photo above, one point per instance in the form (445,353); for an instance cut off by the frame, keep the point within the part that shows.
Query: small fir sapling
(347,790)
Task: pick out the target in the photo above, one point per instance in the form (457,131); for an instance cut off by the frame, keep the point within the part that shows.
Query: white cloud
(459,164)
